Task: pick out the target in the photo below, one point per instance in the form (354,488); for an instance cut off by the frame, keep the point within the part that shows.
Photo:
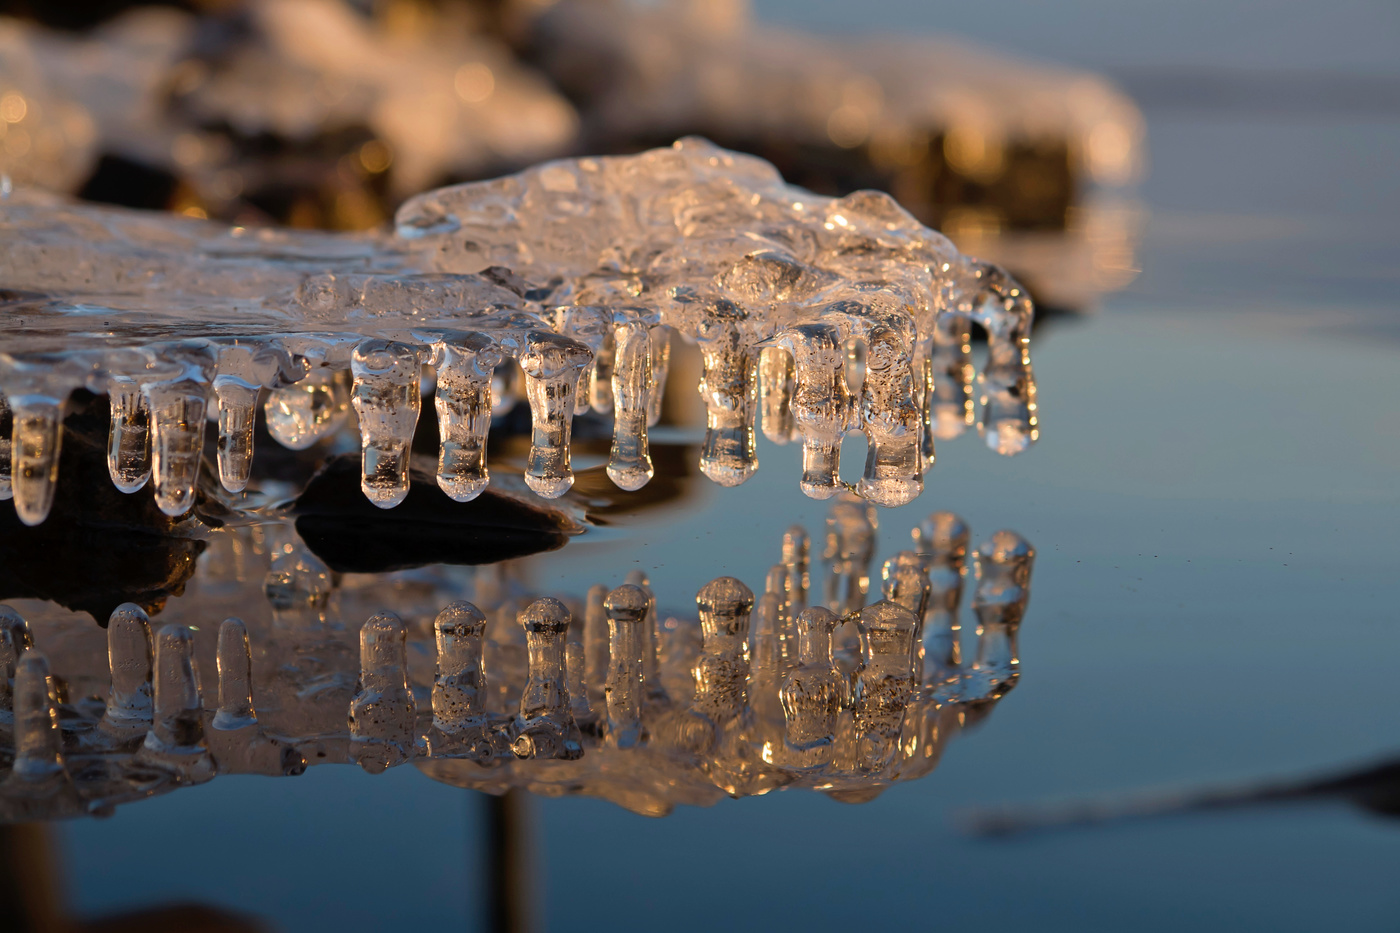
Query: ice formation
(607,694)
(565,281)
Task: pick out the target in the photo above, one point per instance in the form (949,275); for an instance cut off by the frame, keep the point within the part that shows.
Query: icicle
(7,429)
(129,438)
(952,408)
(37,439)
(301,414)
(129,702)
(812,693)
(545,726)
(603,379)
(177,435)
(729,386)
(776,385)
(382,712)
(463,401)
(236,388)
(386,399)
(892,423)
(175,742)
(629,463)
(821,404)
(551,365)
(660,349)
(626,607)
(1010,417)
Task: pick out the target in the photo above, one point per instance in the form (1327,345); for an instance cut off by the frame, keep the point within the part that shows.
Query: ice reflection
(744,694)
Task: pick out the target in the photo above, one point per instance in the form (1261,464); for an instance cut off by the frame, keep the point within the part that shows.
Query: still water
(1213,502)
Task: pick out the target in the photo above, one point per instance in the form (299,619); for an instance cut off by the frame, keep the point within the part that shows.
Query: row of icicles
(816,388)
(908,653)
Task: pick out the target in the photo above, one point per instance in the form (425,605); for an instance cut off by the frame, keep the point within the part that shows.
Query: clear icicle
(776,385)
(129,703)
(177,437)
(892,421)
(236,389)
(7,428)
(626,609)
(729,386)
(463,402)
(1010,416)
(821,404)
(37,440)
(382,711)
(386,399)
(551,365)
(952,408)
(545,726)
(603,381)
(660,349)
(629,463)
(129,438)
(175,742)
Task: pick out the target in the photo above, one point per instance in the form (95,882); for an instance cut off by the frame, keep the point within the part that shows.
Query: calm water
(1214,503)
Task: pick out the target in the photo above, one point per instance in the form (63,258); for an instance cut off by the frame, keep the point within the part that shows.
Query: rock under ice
(563,284)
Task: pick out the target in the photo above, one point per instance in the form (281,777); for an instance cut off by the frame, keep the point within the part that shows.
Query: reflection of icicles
(460,724)
(129,705)
(382,727)
(626,609)
(175,742)
(38,760)
(942,540)
(812,693)
(545,726)
(1004,564)
(14,641)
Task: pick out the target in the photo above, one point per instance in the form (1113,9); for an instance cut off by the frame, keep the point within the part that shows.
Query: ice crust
(481,682)
(578,271)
